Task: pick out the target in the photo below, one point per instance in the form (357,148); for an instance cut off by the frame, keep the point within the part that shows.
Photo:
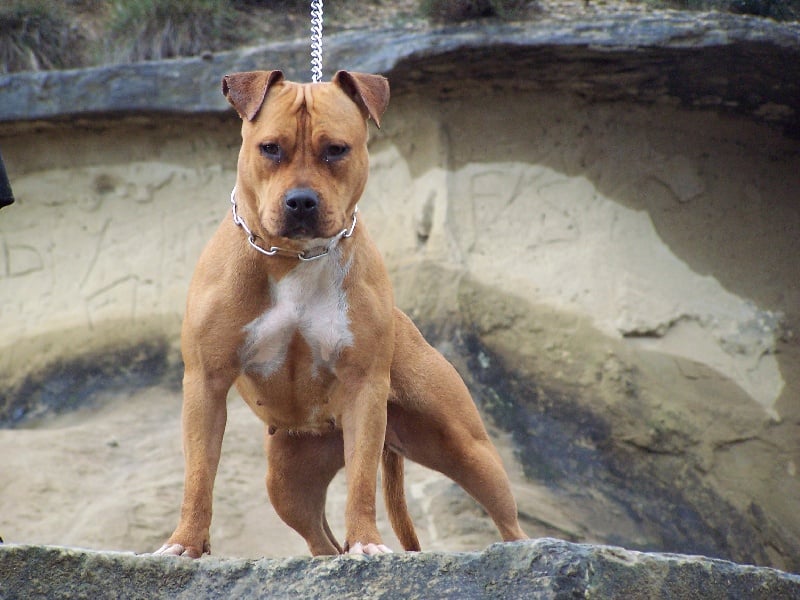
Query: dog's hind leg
(433,421)
(458,447)
(299,469)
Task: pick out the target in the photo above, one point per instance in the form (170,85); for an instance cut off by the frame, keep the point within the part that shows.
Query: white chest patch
(309,300)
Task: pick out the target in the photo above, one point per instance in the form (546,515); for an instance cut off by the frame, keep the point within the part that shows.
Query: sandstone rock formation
(736,64)
(542,569)
(596,219)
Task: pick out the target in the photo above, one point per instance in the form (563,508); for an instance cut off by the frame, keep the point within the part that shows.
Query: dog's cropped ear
(370,92)
(246,91)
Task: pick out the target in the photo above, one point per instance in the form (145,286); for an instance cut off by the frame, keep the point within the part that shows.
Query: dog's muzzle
(300,213)
(305,255)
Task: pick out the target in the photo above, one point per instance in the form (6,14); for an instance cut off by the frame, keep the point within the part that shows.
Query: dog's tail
(395,498)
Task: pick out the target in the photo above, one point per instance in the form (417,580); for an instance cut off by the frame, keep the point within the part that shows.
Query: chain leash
(316,41)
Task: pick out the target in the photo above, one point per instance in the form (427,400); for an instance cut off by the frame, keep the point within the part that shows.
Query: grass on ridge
(37,35)
(155,29)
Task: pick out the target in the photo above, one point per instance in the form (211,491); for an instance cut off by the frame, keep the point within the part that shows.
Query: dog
(291,303)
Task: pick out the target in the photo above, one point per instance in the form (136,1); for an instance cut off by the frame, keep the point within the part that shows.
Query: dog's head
(303,162)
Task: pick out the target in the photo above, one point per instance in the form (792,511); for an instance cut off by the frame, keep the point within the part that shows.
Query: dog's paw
(177,550)
(369,549)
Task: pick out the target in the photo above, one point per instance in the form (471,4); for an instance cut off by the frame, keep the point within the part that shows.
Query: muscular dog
(291,303)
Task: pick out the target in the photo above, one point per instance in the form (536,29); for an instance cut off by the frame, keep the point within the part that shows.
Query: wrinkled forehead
(320,105)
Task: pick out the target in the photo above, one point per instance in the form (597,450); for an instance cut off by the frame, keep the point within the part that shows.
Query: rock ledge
(543,568)
(743,65)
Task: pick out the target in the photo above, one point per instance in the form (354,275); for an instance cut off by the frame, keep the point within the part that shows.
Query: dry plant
(37,35)
(154,29)
(463,10)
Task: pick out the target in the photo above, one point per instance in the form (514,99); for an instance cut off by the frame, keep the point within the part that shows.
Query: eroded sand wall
(608,230)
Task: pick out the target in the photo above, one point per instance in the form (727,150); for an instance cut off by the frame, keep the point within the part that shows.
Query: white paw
(174,550)
(369,549)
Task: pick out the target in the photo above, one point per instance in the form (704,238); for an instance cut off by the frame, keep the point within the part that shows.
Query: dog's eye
(335,152)
(271,151)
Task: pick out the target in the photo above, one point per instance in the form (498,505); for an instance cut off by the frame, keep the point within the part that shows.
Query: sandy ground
(110,477)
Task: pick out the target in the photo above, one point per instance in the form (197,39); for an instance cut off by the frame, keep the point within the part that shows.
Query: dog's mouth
(303,217)
(299,232)
(301,214)
(301,229)
(311,235)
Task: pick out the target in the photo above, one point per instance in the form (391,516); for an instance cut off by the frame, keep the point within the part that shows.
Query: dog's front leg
(364,429)
(203,419)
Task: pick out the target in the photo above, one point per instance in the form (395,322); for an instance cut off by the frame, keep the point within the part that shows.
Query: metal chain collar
(304,255)
(316,41)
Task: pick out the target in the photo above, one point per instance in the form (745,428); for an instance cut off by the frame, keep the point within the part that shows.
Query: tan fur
(339,376)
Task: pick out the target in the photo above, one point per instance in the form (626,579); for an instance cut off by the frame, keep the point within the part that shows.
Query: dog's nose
(301,202)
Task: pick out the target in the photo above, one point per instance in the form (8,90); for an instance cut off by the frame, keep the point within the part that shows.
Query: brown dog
(291,302)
